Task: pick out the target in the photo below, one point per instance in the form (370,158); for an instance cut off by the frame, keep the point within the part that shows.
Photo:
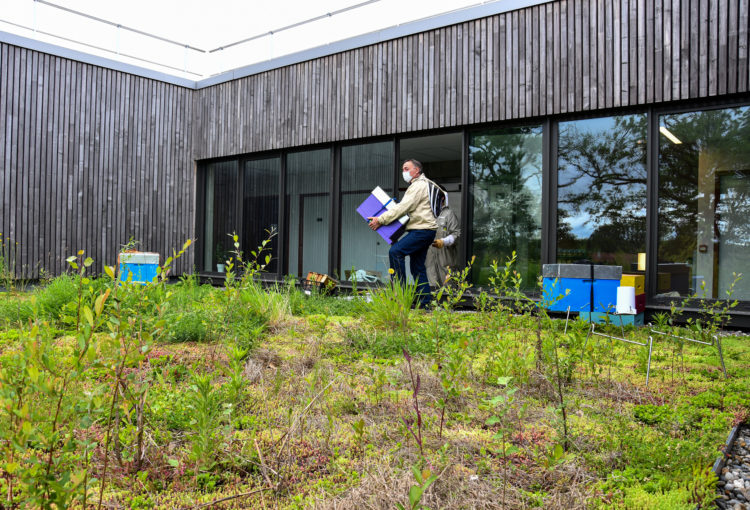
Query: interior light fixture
(672,138)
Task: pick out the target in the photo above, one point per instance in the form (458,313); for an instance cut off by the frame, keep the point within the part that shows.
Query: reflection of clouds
(581,225)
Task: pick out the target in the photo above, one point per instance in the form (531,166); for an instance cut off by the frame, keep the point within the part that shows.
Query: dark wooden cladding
(91,157)
(558,57)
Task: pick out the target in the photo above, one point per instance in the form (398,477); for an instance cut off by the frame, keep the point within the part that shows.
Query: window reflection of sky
(584,216)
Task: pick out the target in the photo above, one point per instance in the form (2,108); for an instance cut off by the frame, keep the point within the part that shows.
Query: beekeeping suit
(444,250)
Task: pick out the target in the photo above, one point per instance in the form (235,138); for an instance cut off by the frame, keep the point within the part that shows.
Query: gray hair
(416,163)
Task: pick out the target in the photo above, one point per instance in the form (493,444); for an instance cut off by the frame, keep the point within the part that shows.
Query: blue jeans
(414,245)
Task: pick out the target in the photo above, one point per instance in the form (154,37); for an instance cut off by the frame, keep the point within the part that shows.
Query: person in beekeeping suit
(444,250)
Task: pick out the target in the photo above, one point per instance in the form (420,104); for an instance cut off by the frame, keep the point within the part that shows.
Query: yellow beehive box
(634,280)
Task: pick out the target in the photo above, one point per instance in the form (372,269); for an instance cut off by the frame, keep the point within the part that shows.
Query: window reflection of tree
(602,187)
(506,169)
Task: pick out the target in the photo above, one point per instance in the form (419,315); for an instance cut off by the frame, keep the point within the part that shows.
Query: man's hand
(438,243)
(374,222)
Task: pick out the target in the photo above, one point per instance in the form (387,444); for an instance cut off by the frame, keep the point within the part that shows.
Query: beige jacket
(416,203)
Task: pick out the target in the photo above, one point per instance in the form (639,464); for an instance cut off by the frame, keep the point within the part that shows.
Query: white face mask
(407,176)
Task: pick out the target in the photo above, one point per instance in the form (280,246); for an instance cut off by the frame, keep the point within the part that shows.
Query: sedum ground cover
(187,396)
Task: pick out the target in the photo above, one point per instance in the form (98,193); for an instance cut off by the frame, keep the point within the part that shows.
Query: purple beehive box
(375,205)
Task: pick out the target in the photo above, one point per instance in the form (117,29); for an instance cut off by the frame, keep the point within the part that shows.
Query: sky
(196,34)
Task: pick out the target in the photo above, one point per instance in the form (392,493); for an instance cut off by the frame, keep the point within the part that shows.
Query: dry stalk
(229,498)
(285,437)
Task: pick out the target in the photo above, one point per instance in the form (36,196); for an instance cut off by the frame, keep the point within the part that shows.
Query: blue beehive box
(139,267)
(578,296)
(583,282)
(605,295)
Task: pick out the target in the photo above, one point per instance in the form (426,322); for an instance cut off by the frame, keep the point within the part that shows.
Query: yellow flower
(390,270)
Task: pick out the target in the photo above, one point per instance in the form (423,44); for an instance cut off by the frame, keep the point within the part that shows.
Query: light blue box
(578,296)
(138,267)
(614,319)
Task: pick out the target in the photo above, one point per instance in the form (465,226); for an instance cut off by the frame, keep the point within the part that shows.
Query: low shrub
(637,498)
(269,304)
(302,304)
(15,311)
(189,291)
(390,306)
(651,414)
(170,408)
(246,331)
(191,326)
(53,298)
(386,344)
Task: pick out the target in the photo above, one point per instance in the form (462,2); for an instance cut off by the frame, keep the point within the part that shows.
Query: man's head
(411,169)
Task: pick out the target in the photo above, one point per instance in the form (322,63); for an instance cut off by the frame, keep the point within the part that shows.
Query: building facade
(612,131)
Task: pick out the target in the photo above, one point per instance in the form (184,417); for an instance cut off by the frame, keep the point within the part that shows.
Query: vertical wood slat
(648,58)
(638,35)
(508,83)
(534,43)
(587,45)
(694,38)
(732,46)
(601,61)
(4,132)
(574,64)
(685,49)
(658,50)
(556,64)
(547,58)
(564,65)
(713,48)
(609,55)
(742,42)
(23,155)
(487,70)
(529,49)
(633,52)
(723,50)
(676,48)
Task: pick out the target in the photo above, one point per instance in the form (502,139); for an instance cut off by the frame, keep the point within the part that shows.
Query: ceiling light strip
(672,138)
(294,25)
(123,27)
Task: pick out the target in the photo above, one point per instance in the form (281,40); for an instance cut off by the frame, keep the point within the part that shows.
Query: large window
(601,201)
(260,207)
(220,212)
(506,195)
(704,202)
(363,167)
(308,209)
